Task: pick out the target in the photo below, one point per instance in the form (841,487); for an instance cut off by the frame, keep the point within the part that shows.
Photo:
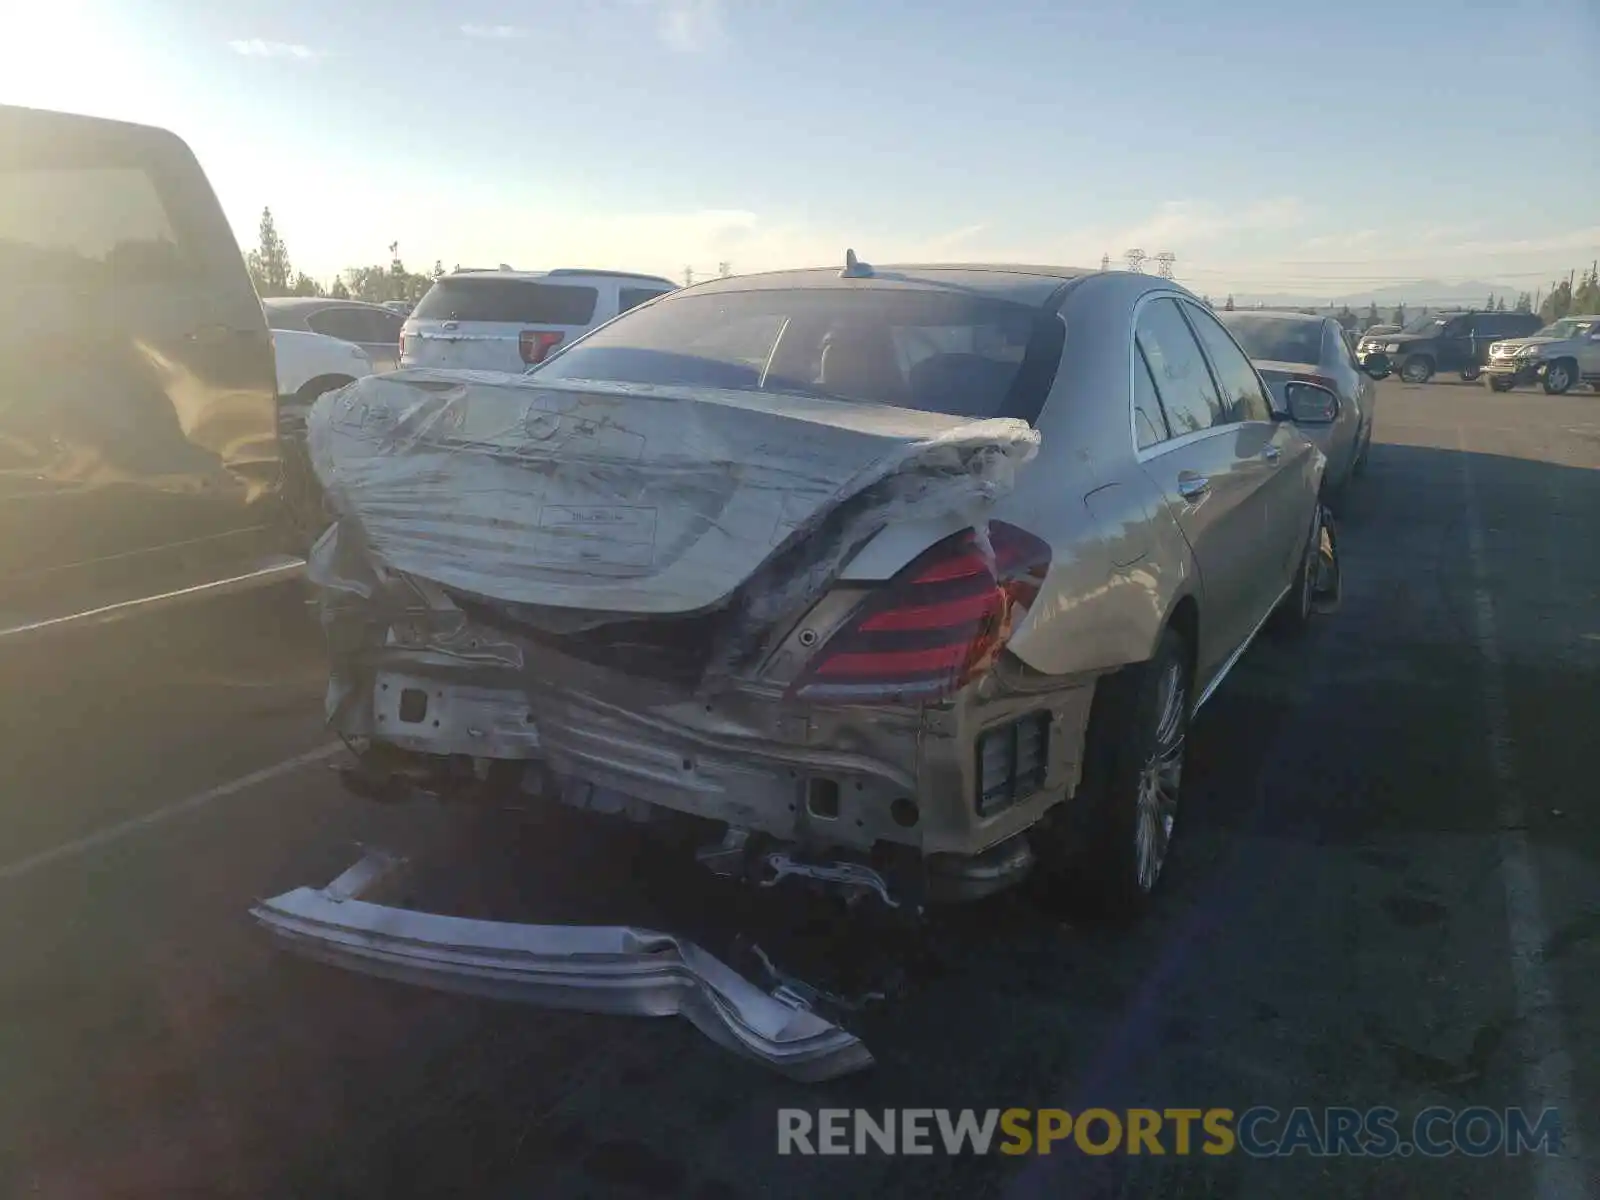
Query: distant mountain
(1430,292)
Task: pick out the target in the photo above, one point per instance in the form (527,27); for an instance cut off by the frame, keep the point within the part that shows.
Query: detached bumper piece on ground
(614,970)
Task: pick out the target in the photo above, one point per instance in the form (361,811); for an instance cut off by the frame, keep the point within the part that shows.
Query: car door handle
(1271,454)
(1192,487)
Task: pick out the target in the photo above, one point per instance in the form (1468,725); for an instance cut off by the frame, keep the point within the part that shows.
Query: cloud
(259,48)
(499,33)
(689,26)
(1180,224)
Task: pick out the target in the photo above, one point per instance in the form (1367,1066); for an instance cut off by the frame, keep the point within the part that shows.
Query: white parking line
(114,833)
(1546,1062)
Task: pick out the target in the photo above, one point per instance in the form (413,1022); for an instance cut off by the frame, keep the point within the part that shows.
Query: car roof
(566,275)
(306,303)
(1019,283)
(1275,313)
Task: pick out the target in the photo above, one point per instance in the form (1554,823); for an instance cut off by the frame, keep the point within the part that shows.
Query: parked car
(770,553)
(510,320)
(1368,340)
(1561,354)
(139,460)
(1287,347)
(309,365)
(1450,341)
(373,327)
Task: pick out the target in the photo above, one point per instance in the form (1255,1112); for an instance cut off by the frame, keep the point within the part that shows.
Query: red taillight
(536,344)
(939,623)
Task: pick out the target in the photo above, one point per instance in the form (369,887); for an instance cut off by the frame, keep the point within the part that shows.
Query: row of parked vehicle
(1505,349)
(900,581)
(949,555)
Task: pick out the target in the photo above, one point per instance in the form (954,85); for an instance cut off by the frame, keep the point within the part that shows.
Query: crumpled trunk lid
(600,502)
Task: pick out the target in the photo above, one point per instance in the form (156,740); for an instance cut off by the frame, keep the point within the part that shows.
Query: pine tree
(1372,314)
(1398,316)
(338,291)
(1500,305)
(268,263)
(1558,303)
(1524,303)
(1227,305)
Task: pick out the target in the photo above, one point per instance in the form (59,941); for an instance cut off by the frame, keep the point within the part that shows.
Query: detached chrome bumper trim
(614,970)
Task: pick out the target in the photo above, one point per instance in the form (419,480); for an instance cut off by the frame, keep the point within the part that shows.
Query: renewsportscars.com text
(1259,1132)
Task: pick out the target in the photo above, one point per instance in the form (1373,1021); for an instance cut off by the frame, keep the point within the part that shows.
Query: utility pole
(1105,262)
(1135,261)
(688,276)
(1164,262)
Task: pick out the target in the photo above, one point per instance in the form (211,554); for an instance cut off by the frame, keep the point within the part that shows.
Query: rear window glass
(85,225)
(938,351)
(1277,339)
(633,297)
(514,301)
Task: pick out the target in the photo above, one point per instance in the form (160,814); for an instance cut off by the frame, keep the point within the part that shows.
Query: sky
(1312,149)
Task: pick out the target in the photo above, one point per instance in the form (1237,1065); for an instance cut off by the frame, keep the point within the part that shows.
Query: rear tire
(1121,820)
(1470,375)
(1417,369)
(1498,384)
(1559,377)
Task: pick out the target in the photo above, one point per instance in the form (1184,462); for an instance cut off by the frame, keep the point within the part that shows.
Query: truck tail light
(536,344)
(936,625)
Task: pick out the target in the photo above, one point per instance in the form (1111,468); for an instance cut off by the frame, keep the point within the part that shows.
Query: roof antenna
(854,268)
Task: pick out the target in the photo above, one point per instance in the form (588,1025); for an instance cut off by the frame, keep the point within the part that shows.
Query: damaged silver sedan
(898,583)
(902,581)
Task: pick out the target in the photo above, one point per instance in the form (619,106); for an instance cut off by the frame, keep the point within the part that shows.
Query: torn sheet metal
(599,969)
(591,501)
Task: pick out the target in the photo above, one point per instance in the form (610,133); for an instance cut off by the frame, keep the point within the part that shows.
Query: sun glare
(62,55)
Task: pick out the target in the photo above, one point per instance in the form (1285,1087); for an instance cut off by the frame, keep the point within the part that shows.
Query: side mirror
(1377,365)
(1310,404)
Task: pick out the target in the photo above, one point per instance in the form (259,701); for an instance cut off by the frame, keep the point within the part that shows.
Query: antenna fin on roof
(855,268)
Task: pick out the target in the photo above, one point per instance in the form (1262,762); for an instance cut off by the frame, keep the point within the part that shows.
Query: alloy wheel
(1160,778)
(1557,378)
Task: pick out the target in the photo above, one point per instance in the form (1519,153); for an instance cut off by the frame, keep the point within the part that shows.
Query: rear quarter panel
(1119,561)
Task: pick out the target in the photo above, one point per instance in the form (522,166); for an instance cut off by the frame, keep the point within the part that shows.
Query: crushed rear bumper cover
(615,970)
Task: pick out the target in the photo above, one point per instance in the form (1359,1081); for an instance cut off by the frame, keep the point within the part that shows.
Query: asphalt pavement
(1384,893)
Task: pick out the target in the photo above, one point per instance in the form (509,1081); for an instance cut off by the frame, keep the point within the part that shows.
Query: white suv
(511,320)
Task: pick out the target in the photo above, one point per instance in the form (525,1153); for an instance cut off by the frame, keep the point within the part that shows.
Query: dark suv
(1446,341)
(138,429)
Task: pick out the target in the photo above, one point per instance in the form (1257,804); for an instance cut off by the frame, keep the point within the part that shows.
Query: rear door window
(1188,393)
(357,325)
(87,226)
(507,301)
